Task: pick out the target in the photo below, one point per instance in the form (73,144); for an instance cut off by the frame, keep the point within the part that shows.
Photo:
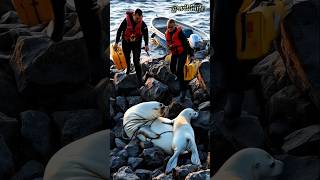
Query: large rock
(238,133)
(8,37)
(202,121)
(154,90)
(273,74)
(6,160)
(37,132)
(125,83)
(144,174)
(116,163)
(133,149)
(31,170)
(300,168)
(204,75)
(177,106)
(153,157)
(134,162)
(289,103)
(300,47)
(74,125)
(183,171)
(163,176)
(11,17)
(9,129)
(305,141)
(49,67)
(125,173)
(11,102)
(200,175)
(5,6)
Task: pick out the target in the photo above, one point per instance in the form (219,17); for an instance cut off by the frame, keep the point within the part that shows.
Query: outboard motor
(195,41)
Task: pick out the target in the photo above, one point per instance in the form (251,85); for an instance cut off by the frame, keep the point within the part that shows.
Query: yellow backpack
(256,28)
(190,70)
(118,58)
(33,12)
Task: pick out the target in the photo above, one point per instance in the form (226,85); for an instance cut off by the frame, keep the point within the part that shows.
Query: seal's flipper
(195,156)
(148,133)
(165,120)
(173,161)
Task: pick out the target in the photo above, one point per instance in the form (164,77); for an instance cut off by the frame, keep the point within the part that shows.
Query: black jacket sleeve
(144,30)
(185,43)
(121,30)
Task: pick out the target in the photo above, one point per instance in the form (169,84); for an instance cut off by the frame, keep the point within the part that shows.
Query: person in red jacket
(132,29)
(179,47)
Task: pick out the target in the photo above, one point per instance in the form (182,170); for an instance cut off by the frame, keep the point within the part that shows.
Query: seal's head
(162,110)
(264,165)
(189,114)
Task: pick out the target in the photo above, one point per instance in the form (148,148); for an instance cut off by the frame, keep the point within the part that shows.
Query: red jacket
(132,33)
(174,42)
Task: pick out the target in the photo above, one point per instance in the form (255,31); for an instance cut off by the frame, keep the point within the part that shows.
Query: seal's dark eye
(272,165)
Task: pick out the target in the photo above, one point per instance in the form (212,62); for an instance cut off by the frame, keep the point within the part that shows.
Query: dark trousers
(135,47)
(176,66)
(89,19)
(229,73)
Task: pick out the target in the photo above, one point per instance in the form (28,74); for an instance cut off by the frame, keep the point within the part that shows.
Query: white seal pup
(249,164)
(145,120)
(142,115)
(183,138)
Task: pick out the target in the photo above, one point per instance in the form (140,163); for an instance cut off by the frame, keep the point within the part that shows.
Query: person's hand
(115,46)
(146,48)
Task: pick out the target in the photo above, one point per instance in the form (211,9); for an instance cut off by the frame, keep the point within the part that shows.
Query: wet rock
(156,172)
(6,160)
(203,175)
(123,154)
(300,168)
(9,129)
(277,131)
(118,118)
(163,176)
(202,121)
(74,125)
(125,173)
(11,17)
(36,130)
(133,100)
(114,151)
(182,171)
(205,106)
(31,170)
(238,134)
(125,83)
(133,149)
(154,90)
(9,38)
(305,141)
(273,74)
(146,144)
(5,6)
(204,75)
(121,103)
(199,96)
(177,106)
(116,163)
(134,162)
(84,97)
(119,143)
(300,47)
(153,157)
(290,104)
(144,174)
(51,67)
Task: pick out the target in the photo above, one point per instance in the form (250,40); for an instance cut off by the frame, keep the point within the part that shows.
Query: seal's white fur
(249,164)
(183,138)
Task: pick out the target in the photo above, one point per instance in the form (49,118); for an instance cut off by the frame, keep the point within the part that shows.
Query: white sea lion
(183,138)
(249,164)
